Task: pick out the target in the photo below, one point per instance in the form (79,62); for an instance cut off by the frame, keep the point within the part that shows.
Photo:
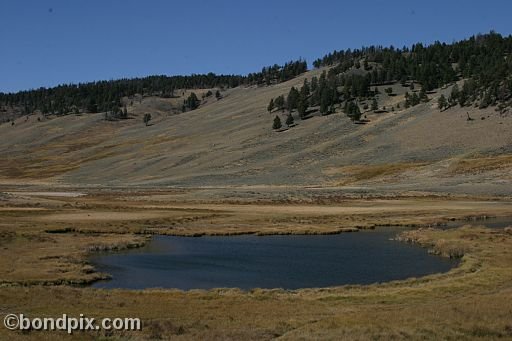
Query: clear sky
(47,42)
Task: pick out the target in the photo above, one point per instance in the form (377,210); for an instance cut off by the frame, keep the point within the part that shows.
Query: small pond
(290,262)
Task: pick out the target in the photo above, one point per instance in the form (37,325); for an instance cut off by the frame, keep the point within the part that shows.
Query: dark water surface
(288,262)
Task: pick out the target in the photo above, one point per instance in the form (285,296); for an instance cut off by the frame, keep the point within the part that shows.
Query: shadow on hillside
(363,121)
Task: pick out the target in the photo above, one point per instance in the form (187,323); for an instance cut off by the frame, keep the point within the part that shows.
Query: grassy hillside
(231,142)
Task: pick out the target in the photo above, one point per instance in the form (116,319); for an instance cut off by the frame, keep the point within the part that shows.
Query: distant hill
(105,96)
(402,140)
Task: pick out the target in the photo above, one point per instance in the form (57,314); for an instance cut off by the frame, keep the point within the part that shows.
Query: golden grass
(469,302)
(356,173)
(482,164)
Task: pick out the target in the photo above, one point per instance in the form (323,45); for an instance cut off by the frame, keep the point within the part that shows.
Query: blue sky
(45,43)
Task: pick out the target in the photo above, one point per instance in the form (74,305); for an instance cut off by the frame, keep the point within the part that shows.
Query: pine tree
(454,95)
(92,107)
(415,99)
(305,90)
(464,94)
(303,102)
(325,101)
(302,107)
(486,100)
(279,102)
(192,102)
(314,84)
(352,111)
(423,95)
(146,119)
(277,123)
(442,103)
(407,100)
(293,99)
(289,120)
(270,106)
(375,105)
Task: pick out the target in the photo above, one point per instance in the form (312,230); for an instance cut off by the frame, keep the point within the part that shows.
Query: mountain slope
(230,143)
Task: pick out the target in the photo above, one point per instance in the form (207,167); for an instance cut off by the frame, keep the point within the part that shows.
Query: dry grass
(356,173)
(482,164)
(469,302)
(56,256)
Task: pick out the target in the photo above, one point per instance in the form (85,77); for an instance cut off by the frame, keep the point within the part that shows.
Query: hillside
(229,142)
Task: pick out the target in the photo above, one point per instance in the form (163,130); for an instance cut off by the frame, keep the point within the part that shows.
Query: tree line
(484,60)
(105,96)
(276,74)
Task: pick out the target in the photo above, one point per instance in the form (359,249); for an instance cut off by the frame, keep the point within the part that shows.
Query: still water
(288,262)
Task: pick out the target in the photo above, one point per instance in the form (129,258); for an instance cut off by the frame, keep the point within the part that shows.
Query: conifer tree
(454,95)
(192,102)
(325,101)
(352,111)
(423,95)
(375,105)
(277,123)
(289,120)
(442,103)
(293,99)
(146,119)
(302,107)
(305,90)
(270,106)
(314,84)
(279,103)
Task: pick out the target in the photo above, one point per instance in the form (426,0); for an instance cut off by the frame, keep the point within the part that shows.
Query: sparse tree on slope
(303,103)
(279,102)
(293,99)
(270,106)
(375,105)
(423,95)
(442,103)
(352,111)
(277,123)
(146,119)
(454,95)
(325,101)
(192,102)
(302,107)
(305,90)
(289,120)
